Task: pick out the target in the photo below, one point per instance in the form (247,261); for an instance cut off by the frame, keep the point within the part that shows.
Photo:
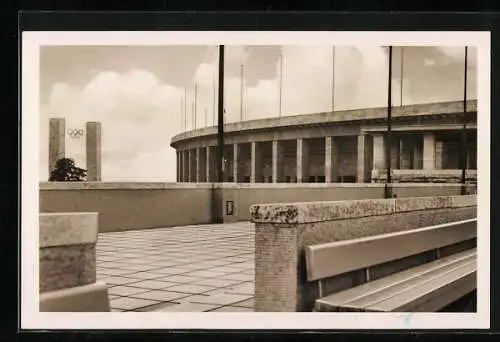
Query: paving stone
(233,309)
(127,303)
(249,303)
(153,284)
(186,307)
(144,275)
(153,307)
(125,290)
(207,274)
(218,282)
(170,271)
(119,280)
(245,288)
(112,271)
(190,288)
(182,279)
(136,267)
(222,299)
(239,276)
(163,296)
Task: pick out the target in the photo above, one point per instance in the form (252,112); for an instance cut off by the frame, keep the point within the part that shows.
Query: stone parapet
(67,263)
(282,230)
(424,176)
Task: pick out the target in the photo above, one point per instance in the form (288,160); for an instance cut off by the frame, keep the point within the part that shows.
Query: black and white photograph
(255,180)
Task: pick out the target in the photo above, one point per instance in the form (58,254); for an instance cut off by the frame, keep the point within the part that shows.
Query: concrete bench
(428,287)
(284,230)
(67,263)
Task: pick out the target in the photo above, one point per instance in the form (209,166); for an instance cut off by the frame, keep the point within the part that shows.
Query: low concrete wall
(67,263)
(125,206)
(283,230)
(244,195)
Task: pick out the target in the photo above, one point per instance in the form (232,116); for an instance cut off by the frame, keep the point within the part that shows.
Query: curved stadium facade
(336,147)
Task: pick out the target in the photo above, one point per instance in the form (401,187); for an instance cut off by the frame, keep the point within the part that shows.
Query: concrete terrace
(186,268)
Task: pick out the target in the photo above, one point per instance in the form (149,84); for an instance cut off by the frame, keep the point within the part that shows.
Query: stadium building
(341,146)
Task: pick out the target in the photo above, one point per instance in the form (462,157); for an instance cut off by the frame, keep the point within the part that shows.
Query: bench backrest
(334,258)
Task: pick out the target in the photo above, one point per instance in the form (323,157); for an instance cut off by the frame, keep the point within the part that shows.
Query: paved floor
(189,268)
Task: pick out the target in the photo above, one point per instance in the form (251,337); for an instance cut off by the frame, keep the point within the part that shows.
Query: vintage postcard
(255,180)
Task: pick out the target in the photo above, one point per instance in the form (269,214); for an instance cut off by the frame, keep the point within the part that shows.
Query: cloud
(140,113)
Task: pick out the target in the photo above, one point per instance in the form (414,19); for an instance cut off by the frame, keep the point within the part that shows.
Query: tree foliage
(67,171)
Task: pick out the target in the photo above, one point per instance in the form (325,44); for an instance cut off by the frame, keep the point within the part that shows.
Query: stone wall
(125,206)
(283,230)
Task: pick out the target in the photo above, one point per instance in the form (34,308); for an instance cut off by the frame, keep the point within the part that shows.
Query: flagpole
(182,111)
(402,59)
(464,128)
(388,147)
(213,109)
(241,92)
(185,109)
(333,79)
(281,82)
(195,98)
(220,118)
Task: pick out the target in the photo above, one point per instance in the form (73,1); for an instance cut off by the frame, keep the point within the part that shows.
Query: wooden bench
(427,287)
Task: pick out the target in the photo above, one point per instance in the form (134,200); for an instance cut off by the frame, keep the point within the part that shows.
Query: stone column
(256,163)
(439,155)
(198,165)
(429,158)
(235,163)
(185,172)
(93,151)
(328,159)
(57,142)
(302,161)
(277,161)
(395,153)
(191,166)
(177,159)
(365,158)
(378,151)
(406,147)
(208,165)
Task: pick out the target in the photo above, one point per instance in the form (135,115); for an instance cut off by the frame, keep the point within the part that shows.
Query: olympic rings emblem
(75,133)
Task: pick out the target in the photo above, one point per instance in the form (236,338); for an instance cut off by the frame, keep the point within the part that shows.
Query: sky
(137,92)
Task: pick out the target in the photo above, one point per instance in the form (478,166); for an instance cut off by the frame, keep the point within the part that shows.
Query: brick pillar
(256,163)
(429,158)
(302,160)
(277,161)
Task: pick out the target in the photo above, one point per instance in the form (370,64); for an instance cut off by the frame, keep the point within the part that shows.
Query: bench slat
(330,259)
(370,293)
(421,298)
